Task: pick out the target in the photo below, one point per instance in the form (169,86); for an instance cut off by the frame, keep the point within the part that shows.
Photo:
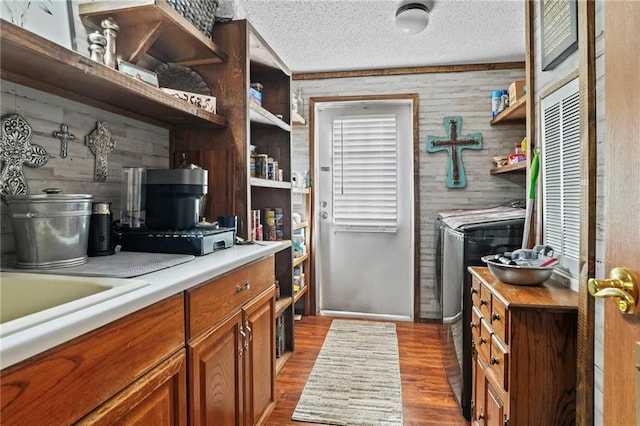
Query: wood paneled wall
(467,94)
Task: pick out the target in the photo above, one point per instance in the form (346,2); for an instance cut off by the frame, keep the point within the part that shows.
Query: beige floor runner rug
(356,378)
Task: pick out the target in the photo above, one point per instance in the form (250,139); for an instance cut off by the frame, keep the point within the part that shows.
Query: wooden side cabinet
(231,347)
(524,349)
(232,368)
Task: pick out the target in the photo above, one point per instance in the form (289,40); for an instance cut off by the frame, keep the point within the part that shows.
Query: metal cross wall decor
(455,170)
(65,137)
(16,151)
(101,144)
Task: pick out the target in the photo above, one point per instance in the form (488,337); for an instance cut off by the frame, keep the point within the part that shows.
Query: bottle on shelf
(299,101)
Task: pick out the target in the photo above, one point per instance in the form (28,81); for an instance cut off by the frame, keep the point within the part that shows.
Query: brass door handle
(622,286)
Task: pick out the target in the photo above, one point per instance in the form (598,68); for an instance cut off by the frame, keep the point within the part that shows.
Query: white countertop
(162,284)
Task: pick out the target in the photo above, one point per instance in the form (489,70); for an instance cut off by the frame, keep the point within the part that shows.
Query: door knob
(324,215)
(622,286)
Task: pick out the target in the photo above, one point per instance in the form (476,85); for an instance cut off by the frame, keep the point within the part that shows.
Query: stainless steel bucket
(50,230)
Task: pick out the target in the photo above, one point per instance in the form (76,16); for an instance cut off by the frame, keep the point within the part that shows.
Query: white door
(364,207)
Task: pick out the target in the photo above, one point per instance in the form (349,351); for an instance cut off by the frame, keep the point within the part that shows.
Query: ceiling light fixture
(412,18)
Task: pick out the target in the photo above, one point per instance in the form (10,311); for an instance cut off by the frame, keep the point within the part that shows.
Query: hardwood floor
(426,396)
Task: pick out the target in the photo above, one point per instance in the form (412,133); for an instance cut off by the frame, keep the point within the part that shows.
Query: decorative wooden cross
(454,146)
(16,151)
(64,136)
(101,144)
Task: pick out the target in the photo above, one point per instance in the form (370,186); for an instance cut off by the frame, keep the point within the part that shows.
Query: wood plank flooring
(426,396)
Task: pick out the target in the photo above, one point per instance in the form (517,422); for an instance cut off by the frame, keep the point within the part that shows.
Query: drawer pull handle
(474,290)
(246,326)
(494,361)
(244,287)
(495,317)
(483,302)
(244,344)
(473,324)
(483,340)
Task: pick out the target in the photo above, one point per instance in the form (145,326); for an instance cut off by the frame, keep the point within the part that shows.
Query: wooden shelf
(300,293)
(516,113)
(280,362)
(261,55)
(282,304)
(520,167)
(297,119)
(267,183)
(156,28)
(300,225)
(299,190)
(33,61)
(257,114)
(298,260)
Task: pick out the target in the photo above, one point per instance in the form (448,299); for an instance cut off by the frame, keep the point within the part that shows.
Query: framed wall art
(559,31)
(51,19)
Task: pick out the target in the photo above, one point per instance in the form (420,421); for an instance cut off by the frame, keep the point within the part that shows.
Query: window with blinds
(561,175)
(365,181)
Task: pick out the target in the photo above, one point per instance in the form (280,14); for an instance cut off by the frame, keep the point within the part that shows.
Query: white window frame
(560,163)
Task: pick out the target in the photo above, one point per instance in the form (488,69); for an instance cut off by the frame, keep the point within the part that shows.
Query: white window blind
(561,174)
(365,181)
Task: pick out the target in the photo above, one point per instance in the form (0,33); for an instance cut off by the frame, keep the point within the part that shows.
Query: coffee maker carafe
(173,196)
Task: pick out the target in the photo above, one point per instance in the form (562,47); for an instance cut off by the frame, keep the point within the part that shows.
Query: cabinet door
(479,393)
(215,375)
(157,398)
(260,364)
(493,406)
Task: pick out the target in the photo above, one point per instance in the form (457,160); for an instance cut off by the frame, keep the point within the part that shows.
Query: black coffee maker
(172,224)
(173,198)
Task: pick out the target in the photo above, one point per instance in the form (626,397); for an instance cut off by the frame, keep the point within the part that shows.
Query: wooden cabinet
(227,151)
(231,347)
(157,398)
(524,349)
(66,383)
(215,376)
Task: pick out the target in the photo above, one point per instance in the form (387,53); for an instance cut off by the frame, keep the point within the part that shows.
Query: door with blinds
(364,184)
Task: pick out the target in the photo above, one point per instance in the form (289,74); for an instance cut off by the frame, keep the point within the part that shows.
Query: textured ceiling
(332,35)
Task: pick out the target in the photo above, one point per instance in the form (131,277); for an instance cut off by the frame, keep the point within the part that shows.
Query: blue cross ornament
(454,145)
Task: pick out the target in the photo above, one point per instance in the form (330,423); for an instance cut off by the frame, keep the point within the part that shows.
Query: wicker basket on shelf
(201,13)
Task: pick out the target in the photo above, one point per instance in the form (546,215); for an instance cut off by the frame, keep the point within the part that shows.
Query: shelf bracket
(136,40)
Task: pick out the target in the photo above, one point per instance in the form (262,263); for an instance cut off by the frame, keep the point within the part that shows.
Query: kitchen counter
(162,284)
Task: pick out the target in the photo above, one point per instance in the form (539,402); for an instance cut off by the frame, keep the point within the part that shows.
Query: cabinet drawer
(475,292)
(499,319)
(498,363)
(484,303)
(475,326)
(484,341)
(212,301)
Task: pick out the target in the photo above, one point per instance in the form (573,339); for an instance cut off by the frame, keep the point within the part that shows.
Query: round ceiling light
(412,18)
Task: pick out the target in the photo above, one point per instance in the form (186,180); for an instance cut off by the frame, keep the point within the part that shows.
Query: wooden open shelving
(262,116)
(516,113)
(510,168)
(297,119)
(153,27)
(300,293)
(282,304)
(36,62)
(298,260)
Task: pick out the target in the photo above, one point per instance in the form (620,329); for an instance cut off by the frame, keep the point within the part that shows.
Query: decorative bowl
(517,275)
